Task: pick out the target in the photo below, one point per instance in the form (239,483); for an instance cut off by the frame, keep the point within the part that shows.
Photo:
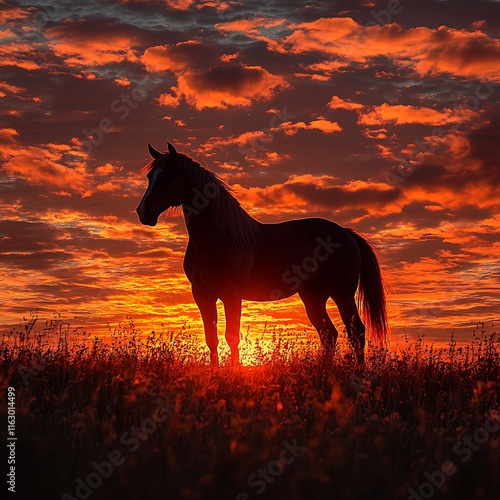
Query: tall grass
(369,433)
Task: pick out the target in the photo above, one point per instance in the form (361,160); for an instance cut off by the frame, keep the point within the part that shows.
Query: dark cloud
(338,197)
(232,78)
(485,146)
(22,236)
(185,54)
(35,261)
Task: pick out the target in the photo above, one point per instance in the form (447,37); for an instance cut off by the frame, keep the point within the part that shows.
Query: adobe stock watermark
(463,449)
(263,477)
(408,165)
(121,107)
(48,10)
(265,136)
(11,439)
(130,439)
(201,200)
(385,16)
(297,274)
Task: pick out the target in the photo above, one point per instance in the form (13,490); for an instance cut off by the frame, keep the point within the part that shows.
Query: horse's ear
(171,149)
(153,152)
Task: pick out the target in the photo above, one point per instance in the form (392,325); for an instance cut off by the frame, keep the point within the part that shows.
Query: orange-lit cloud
(17,54)
(337,102)
(9,13)
(180,4)
(54,166)
(253,28)
(253,144)
(42,164)
(428,51)
(178,57)
(462,53)
(227,85)
(322,124)
(7,135)
(204,81)
(306,192)
(322,35)
(83,43)
(170,100)
(186,5)
(250,26)
(401,114)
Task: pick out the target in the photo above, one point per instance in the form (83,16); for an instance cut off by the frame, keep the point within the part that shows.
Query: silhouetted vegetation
(371,432)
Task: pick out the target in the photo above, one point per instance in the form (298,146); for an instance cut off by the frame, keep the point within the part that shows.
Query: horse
(231,256)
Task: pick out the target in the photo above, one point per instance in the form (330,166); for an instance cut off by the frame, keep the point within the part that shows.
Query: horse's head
(166,187)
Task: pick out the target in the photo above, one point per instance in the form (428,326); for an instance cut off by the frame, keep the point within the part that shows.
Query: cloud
(180,4)
(179,57)
(456,172)
(9,13)
(206,79)
(226,85)
(471,54)
(307,193)
(18,55)
(322,124)
(183,5)
(170,100)
(251,26)
(47,164)
(229,84)
(254,28)
(404,114)
(7,135)
(322,35)
(92,41)
(337,102)
(253,144)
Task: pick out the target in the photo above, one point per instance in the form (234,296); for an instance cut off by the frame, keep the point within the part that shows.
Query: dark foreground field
(97,420)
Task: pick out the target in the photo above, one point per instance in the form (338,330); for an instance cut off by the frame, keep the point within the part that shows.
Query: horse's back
(305,235)
(304,253)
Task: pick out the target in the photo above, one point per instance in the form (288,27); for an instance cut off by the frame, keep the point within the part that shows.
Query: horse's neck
(200,222)
(209,225)
(213,214)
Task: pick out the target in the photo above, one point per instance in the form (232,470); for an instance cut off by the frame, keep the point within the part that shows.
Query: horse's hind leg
(353,324)
(315,303)
(232,309)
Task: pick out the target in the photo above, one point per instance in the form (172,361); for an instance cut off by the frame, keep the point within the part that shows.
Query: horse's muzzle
(146,217)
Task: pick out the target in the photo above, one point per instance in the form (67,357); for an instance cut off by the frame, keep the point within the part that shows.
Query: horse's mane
(230,218)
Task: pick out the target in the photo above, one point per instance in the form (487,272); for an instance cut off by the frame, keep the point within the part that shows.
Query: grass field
(144,417)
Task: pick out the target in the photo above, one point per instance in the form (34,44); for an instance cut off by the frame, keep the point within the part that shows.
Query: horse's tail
(371,293)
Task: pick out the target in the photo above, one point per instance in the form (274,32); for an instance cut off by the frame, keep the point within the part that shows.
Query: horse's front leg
(232,310)
(207,303)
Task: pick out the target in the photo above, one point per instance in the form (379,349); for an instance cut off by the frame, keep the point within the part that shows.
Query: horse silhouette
(231,256)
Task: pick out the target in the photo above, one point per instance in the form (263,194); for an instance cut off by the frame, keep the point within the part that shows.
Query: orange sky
(385,120)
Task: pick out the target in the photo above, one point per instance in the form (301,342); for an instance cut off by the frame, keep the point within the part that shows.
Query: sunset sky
(381,116)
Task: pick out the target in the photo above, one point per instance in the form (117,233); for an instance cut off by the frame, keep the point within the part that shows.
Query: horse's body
(231,256)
